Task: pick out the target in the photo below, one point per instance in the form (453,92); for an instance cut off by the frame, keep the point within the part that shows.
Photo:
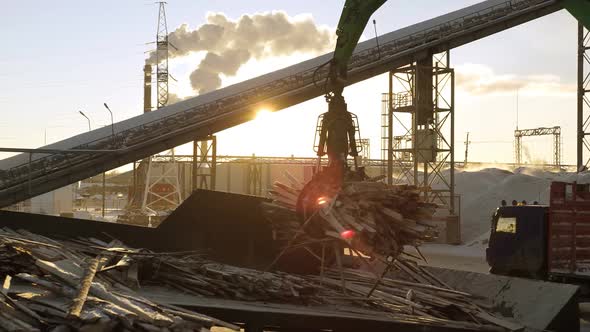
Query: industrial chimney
(147,88)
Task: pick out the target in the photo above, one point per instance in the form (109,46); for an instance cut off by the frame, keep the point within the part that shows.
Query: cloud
(482,80)
(229,44)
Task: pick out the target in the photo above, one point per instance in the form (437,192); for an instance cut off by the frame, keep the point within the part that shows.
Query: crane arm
(580,9)
(352,23)
(337,127)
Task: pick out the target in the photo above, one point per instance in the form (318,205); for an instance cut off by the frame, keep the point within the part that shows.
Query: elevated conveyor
(24,176)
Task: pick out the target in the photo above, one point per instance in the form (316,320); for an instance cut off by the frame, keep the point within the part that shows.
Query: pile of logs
(375,219)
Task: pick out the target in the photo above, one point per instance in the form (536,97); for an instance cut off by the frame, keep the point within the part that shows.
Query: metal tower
(418,128)
(583,146)
(162,56)
(162,189)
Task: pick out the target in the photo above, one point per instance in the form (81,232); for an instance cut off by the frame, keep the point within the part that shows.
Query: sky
(65,56)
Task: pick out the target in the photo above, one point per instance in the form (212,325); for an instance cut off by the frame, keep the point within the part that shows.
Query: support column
(104,192)
(452,203)
(583,102)
(253,178)
(204,163)
(517,148)
(390,131)
(424,139)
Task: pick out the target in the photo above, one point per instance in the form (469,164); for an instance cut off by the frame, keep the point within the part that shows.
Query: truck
(546,242)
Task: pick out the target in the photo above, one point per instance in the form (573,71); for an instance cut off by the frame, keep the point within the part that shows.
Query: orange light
(322,200)
(347,235)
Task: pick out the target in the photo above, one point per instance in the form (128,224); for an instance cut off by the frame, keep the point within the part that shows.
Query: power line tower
(156,184)
(162,44)
(162,191)
(542,131)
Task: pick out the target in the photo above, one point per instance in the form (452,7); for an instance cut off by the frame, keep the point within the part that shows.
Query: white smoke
(231,43)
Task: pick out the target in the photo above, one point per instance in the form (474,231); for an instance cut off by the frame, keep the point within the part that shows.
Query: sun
(263,115)
(264,118)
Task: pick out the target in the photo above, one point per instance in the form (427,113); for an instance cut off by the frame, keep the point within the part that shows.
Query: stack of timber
(84,284)
(375,219)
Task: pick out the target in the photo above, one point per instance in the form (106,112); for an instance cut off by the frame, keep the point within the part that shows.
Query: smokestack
(147,88)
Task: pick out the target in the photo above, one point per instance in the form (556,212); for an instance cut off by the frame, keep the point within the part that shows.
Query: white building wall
(54,202)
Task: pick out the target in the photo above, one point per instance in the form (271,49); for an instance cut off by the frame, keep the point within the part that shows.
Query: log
(84,288)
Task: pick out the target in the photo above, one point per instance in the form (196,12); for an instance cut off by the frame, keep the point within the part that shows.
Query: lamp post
(114,143)
(87,118)
(112,121)
(103,174)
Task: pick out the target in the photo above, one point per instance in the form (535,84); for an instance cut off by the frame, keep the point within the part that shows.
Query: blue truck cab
(549,242)
(517,243)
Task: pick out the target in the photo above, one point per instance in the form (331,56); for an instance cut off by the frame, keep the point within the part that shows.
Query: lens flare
(322,201)
(347,235)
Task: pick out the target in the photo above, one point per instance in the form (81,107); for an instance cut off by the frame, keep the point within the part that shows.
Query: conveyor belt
(22,176)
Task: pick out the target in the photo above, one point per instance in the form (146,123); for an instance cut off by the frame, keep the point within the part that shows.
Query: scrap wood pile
(87,283)
(373,217)
(80,286)
(413,292)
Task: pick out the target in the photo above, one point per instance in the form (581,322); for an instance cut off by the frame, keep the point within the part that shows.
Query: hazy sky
(64,56)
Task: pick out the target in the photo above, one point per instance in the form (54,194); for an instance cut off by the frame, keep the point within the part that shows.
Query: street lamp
(103,174)
(87,118)
(112,121)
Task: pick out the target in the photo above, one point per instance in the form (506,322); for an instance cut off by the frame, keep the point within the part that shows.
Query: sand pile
(482,191)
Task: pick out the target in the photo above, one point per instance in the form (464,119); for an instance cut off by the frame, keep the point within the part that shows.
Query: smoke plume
(231,43)
(481,80)
(173,98)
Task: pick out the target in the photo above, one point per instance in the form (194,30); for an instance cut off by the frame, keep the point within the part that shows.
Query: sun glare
(264,119)
(263,115)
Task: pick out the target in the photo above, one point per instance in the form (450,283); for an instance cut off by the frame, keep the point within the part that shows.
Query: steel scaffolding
(542,131)
(420,130)
(583,118)
(204,163)
(162,44)
(253,177)
(365,150)
(162,186)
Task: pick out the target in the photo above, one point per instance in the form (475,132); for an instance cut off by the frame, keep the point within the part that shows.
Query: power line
(490,142)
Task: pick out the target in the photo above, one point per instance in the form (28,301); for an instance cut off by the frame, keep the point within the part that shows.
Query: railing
(192,117)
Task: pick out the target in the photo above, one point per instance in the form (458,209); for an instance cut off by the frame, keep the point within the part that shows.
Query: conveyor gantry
(25,176)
